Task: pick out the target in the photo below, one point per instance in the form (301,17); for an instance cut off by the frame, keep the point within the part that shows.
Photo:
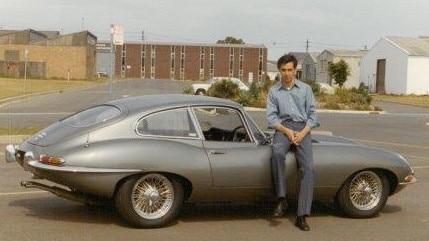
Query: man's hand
(299,135)
(295,137)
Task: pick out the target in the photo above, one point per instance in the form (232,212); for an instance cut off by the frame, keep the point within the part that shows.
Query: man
(291,111)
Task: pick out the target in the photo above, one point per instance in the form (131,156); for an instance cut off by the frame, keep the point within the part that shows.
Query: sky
(281,25)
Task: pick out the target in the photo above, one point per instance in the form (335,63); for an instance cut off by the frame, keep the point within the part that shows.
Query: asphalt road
(31,214)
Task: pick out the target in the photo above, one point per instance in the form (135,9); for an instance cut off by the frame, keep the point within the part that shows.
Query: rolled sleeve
(272,111)
(312,119)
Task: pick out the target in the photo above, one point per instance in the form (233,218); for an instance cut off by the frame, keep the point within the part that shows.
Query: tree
(231,40)
(339,72)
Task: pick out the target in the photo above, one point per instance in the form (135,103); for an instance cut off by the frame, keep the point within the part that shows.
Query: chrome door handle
(212,152)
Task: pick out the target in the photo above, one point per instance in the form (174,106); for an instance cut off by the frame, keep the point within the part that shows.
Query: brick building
(184,61)
(47,54)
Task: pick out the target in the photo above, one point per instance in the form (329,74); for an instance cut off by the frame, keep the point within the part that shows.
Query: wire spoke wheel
(364,194)
(152,196)
(366,190)
(150,200)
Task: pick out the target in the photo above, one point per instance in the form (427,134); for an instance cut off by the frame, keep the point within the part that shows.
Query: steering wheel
(233,135)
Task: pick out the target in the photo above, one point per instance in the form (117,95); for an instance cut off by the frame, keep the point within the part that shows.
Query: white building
(352,58)
(397,65)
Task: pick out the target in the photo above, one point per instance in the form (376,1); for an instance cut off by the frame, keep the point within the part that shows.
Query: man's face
(287,72)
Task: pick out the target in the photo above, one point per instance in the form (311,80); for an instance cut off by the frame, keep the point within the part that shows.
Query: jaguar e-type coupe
(148,155)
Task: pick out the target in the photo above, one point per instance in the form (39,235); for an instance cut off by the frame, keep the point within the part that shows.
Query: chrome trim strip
(38,165)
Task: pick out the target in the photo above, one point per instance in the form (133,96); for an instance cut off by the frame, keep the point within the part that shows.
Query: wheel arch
(187,185)
(392,178)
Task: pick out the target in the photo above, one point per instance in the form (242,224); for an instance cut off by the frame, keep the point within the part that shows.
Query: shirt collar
(296,84)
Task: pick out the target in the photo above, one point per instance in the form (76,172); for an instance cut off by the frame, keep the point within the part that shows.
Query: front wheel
(149,201)
(364,194)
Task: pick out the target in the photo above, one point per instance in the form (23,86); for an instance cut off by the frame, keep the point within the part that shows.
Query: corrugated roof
(347,53)
(412,46)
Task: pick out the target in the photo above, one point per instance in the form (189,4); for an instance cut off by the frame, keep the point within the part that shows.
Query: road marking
(421,167)
(39,113)
(392,144)
(419,157)
(21,193)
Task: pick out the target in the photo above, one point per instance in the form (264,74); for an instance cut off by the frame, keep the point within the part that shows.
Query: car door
(236,159)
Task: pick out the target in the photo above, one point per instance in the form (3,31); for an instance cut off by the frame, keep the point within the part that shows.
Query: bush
(343,99)
(188,90)
(349,99)
(225,89)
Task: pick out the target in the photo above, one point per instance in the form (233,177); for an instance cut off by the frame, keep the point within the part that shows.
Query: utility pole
(306,46)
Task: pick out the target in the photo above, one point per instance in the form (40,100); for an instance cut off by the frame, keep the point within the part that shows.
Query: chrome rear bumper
(10,153)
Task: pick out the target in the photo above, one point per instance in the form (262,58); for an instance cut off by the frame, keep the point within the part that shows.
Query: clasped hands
(295,137)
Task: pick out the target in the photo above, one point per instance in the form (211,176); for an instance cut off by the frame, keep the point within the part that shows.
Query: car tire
(149,201)
(364,194)
(200,92)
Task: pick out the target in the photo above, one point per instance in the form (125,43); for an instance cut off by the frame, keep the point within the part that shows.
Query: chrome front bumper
(10,153)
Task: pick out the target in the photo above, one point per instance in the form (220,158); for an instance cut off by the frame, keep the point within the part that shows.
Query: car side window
(176,123)
(221,124)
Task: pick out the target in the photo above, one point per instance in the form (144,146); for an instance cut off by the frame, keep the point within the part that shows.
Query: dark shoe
(279,210)
(301,223)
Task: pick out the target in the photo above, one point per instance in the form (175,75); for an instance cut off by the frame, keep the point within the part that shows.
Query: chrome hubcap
(365,190)
(153,196)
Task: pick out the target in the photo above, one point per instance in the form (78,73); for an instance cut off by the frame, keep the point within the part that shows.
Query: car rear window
(92,116)
(174,123)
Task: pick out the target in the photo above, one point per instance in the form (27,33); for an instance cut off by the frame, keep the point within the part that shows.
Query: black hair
(286,59)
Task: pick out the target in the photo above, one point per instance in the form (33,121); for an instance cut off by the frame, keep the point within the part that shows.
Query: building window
(240,64)
(212,56)
(123,60)
(261,64)
(172,62)
(143,57)
(152,61)
(202,62)
(231,62)
(182,62)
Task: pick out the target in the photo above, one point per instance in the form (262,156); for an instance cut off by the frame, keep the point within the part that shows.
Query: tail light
(51,160)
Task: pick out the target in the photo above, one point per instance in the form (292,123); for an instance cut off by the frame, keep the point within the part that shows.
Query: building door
(381,77)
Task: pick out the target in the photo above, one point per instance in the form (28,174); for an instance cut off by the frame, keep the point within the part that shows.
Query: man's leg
(281,145)
(304,156)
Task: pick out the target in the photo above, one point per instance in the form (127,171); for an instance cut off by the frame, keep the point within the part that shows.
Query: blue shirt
(296,104)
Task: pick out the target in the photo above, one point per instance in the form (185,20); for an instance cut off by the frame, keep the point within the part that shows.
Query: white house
(272,70)
(352,58)
(397,65)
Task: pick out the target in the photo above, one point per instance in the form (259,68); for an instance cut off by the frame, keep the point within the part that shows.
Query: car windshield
(92,116)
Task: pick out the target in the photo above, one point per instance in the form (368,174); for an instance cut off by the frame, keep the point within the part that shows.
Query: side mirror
(268,138)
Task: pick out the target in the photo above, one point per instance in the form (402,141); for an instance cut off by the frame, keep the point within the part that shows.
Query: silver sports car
(148,155)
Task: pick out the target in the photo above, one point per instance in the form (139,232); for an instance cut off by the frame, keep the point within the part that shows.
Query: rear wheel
(364,194)
(149,201)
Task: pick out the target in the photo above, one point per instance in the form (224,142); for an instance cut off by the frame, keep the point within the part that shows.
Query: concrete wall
(74,62)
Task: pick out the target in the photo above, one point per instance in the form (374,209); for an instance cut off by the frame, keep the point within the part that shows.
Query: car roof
(147,102)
